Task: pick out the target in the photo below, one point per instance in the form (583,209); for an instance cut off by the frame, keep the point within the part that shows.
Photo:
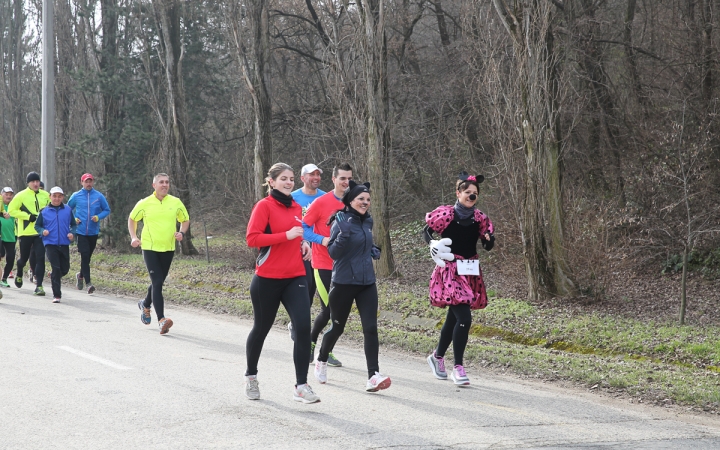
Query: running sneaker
(312,352)
(91,289)
(4,283)
(56,299)
(39,291)
(252,387)
(145,316)
(321,371)
(18,282)
(459,377)
(31,276)
(377,382)
(12,275)
(79,282)
(437,365)
(305,394)
(164,324)
(333,361)
(292,331)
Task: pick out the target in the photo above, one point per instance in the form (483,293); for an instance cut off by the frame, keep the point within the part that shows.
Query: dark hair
(275,172)
(343,166)
(461,185)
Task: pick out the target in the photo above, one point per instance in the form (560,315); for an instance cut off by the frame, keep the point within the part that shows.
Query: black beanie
(354,190)
(32,176)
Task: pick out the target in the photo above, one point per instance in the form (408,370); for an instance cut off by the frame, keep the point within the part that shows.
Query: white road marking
(94,358)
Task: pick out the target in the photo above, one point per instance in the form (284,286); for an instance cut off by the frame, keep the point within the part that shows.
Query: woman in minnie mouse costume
(456,282)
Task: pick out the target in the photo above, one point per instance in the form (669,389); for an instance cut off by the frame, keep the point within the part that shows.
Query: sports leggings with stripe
(322,281)
(455,329)
(266,295)
(341,299)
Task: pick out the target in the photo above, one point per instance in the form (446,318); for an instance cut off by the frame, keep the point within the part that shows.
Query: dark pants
(456,329)
(59,257)
(310,275)
(86,247)
(35,245)
(158,266)
(323,317)
(266,295)
(8,251)
(341,300)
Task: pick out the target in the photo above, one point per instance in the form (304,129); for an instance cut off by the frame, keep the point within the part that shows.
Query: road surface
(87,374)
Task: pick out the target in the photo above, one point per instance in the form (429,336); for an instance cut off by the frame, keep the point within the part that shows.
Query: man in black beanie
(25,208)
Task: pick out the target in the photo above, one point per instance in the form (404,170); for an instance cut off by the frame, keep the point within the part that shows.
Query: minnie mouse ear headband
(354,190)
(473,178)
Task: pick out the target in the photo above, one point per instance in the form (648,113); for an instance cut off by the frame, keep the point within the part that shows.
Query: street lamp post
(47,135)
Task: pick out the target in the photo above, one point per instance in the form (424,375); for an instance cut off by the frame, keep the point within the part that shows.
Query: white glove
(440,251)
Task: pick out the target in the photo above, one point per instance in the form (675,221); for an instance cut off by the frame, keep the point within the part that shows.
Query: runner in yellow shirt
(159,213)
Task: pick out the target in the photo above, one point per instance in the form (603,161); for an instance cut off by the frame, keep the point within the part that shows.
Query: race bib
(468,267)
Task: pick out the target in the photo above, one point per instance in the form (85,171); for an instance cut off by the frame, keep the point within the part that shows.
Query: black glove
(33,217)
(488,245)
(375,252)
(344,226)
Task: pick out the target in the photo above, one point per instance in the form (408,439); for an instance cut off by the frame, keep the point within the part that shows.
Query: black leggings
(37,258)
(59,257)
(456,329)
(86,247)
(158,266)
(266,295)
(310,275)
(8,250)
(341,300)
(323,316)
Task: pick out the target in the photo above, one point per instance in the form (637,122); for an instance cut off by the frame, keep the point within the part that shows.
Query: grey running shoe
(252,387)
(91,289)
(377,382)
(79,282)
(437,365)
(145,316)
(333,361)
(305,394)
(459,377)
(321,372)
(312,352)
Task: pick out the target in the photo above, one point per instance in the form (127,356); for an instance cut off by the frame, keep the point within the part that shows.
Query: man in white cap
(56,224)
(310,175)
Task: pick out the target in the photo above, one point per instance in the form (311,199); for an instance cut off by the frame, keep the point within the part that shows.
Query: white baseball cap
(7,189)
(309,168)
(57,190)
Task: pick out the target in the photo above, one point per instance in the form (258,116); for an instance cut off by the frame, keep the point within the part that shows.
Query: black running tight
(266,295)
(32,248)
(341,300)
(9,254)
(158,266)
(456,329)
(323,316)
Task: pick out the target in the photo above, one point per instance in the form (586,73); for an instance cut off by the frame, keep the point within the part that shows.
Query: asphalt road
(86,373)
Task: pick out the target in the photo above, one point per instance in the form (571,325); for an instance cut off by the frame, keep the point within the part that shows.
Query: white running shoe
(252,387)
(459,377)
(305,394)
(437,365)
(377,382)
(321,371)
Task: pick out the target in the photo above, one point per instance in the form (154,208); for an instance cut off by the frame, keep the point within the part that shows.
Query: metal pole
(207,246)
(47,136)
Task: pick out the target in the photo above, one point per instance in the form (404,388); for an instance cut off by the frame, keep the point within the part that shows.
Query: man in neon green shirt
(25,207)
(159,213)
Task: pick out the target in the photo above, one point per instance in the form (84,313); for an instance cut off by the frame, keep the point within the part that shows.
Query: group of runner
(42,225)
(313,242)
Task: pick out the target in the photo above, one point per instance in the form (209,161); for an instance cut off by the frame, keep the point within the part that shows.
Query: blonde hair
(275,172)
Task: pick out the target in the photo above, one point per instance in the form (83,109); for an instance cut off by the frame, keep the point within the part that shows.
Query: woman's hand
(306,251)
(294,233)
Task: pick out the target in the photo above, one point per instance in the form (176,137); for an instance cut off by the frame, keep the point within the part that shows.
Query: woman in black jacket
(353,279)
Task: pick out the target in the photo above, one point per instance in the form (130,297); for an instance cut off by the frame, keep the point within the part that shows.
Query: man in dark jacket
(56,224)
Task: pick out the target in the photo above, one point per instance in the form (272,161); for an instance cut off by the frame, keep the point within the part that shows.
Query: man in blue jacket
(89,207)
(56,223)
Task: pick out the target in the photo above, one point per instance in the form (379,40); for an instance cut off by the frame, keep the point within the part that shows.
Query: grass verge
(648,362)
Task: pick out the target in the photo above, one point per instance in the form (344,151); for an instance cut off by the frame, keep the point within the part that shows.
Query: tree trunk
(176,130)
(530,26)
(683,287)
(253,62)
(374,48)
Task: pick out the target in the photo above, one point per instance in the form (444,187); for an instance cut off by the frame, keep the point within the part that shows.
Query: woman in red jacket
(275,228)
